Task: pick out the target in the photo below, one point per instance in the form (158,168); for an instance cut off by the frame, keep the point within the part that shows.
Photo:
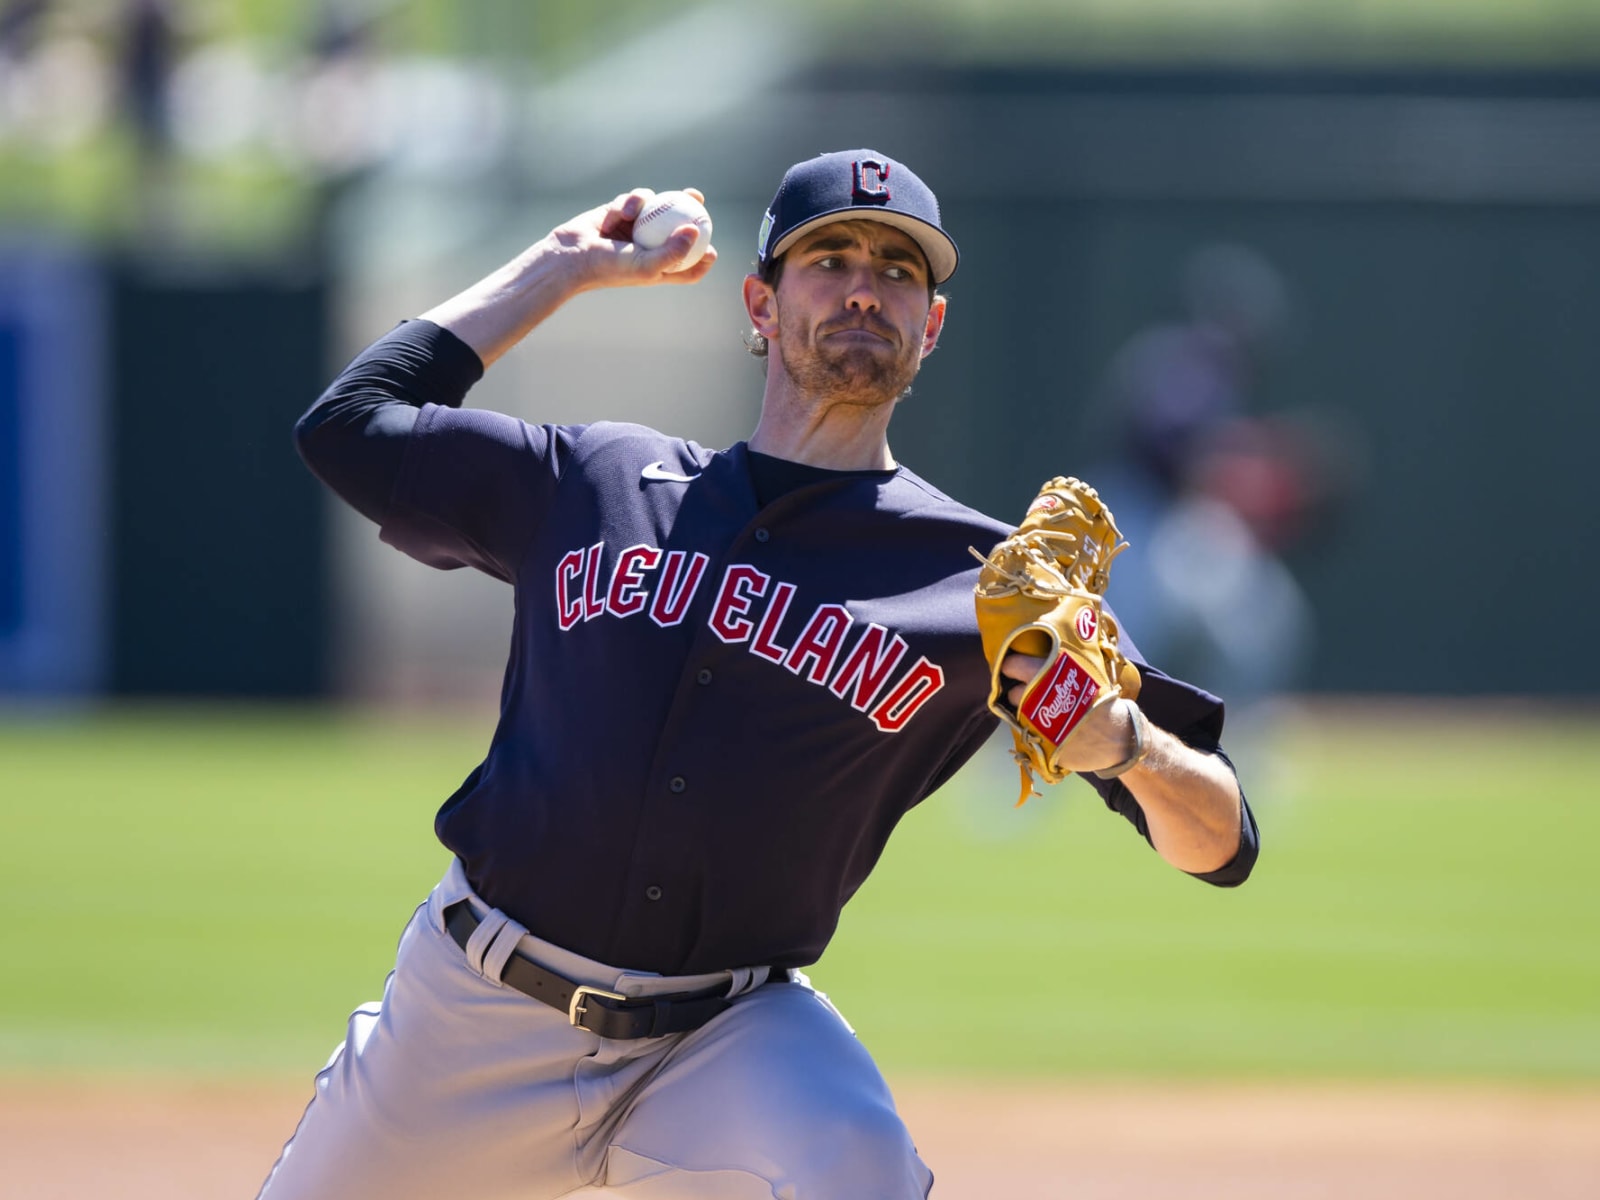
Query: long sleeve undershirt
(354,437)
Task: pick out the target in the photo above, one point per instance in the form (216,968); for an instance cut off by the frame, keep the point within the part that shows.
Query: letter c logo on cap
(871,182)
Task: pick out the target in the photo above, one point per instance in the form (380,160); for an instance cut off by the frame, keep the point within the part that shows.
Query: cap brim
(937,245)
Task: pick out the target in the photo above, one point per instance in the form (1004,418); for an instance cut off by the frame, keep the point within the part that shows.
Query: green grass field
(209,891)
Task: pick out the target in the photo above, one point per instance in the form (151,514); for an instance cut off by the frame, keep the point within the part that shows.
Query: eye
(898,274)
(829,262)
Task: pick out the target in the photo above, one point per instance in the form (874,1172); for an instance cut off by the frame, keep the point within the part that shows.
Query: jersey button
(652,892)
(677,784)
(762,535)
(704,677)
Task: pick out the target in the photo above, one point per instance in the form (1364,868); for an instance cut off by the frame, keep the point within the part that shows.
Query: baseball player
(731,673)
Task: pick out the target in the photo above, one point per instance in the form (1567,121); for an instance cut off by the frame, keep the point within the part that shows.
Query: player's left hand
(1102,739)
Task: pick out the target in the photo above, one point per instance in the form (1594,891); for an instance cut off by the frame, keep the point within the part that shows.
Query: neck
(821,433)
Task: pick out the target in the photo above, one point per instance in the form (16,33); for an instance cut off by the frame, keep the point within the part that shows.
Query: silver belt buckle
(575,1009)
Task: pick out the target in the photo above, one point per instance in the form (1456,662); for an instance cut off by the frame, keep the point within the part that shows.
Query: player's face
(854,316)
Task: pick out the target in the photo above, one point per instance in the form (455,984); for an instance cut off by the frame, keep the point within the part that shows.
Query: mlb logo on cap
(852,185)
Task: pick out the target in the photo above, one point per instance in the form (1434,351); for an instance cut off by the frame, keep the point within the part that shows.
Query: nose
(863,293)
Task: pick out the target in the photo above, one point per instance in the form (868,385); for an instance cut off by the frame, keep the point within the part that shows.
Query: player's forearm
(502,308)
(1191,803)
(595,249)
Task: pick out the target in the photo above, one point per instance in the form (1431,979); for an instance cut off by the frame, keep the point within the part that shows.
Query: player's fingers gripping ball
(1041,592)
(664,215)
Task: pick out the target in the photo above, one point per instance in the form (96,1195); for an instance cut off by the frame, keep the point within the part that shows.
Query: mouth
(863,334)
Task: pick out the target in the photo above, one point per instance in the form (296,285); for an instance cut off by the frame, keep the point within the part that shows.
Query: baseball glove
(1040,592)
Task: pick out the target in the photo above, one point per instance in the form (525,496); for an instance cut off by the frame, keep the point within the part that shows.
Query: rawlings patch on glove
(1041,592)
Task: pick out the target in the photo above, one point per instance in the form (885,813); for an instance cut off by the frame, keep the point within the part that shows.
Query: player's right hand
(605,256)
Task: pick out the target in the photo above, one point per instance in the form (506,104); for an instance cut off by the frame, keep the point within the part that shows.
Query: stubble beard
(856,375)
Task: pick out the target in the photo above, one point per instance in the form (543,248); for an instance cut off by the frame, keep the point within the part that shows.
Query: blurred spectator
(146,54)
(1173,384)
(342,29)
(148,50)
(1211,493)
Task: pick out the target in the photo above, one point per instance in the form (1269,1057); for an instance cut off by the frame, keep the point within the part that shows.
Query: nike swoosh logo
(656,472)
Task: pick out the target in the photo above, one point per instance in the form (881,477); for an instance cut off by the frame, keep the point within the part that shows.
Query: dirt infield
(132,1141)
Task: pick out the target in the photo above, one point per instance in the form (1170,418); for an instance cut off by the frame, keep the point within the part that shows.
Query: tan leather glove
(1041,593)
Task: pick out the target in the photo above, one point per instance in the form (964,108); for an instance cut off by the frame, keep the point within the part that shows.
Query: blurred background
(1328,266)
(1308,288)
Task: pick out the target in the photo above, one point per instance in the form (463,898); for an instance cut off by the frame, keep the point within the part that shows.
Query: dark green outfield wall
(219,579)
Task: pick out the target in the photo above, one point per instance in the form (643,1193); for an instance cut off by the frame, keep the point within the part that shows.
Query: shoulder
(917,499)
(623,443)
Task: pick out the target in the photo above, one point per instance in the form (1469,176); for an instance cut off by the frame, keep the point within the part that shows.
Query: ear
(761,305)
(935,325)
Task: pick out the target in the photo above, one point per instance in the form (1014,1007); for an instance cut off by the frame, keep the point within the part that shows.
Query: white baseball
(663,215)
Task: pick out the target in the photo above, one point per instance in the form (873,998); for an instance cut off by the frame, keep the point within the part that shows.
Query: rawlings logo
(1086,623)
(1057,705)
(1045,504)
(1064,699)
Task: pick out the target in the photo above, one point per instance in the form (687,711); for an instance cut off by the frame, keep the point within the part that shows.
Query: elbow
(1211,858)
(1238,868)
(1232,873)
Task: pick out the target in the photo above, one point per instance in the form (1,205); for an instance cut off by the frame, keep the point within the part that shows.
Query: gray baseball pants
(455,1084)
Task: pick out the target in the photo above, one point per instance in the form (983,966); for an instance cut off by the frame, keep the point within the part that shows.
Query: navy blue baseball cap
(856,185)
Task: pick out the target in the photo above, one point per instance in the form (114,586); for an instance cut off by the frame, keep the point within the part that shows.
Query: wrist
(549,266)
(569,264)
(1138,750)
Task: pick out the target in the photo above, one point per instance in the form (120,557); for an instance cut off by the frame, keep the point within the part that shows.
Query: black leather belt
(608,1014)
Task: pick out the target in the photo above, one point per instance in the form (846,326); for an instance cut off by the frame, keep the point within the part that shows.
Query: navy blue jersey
(714,712)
